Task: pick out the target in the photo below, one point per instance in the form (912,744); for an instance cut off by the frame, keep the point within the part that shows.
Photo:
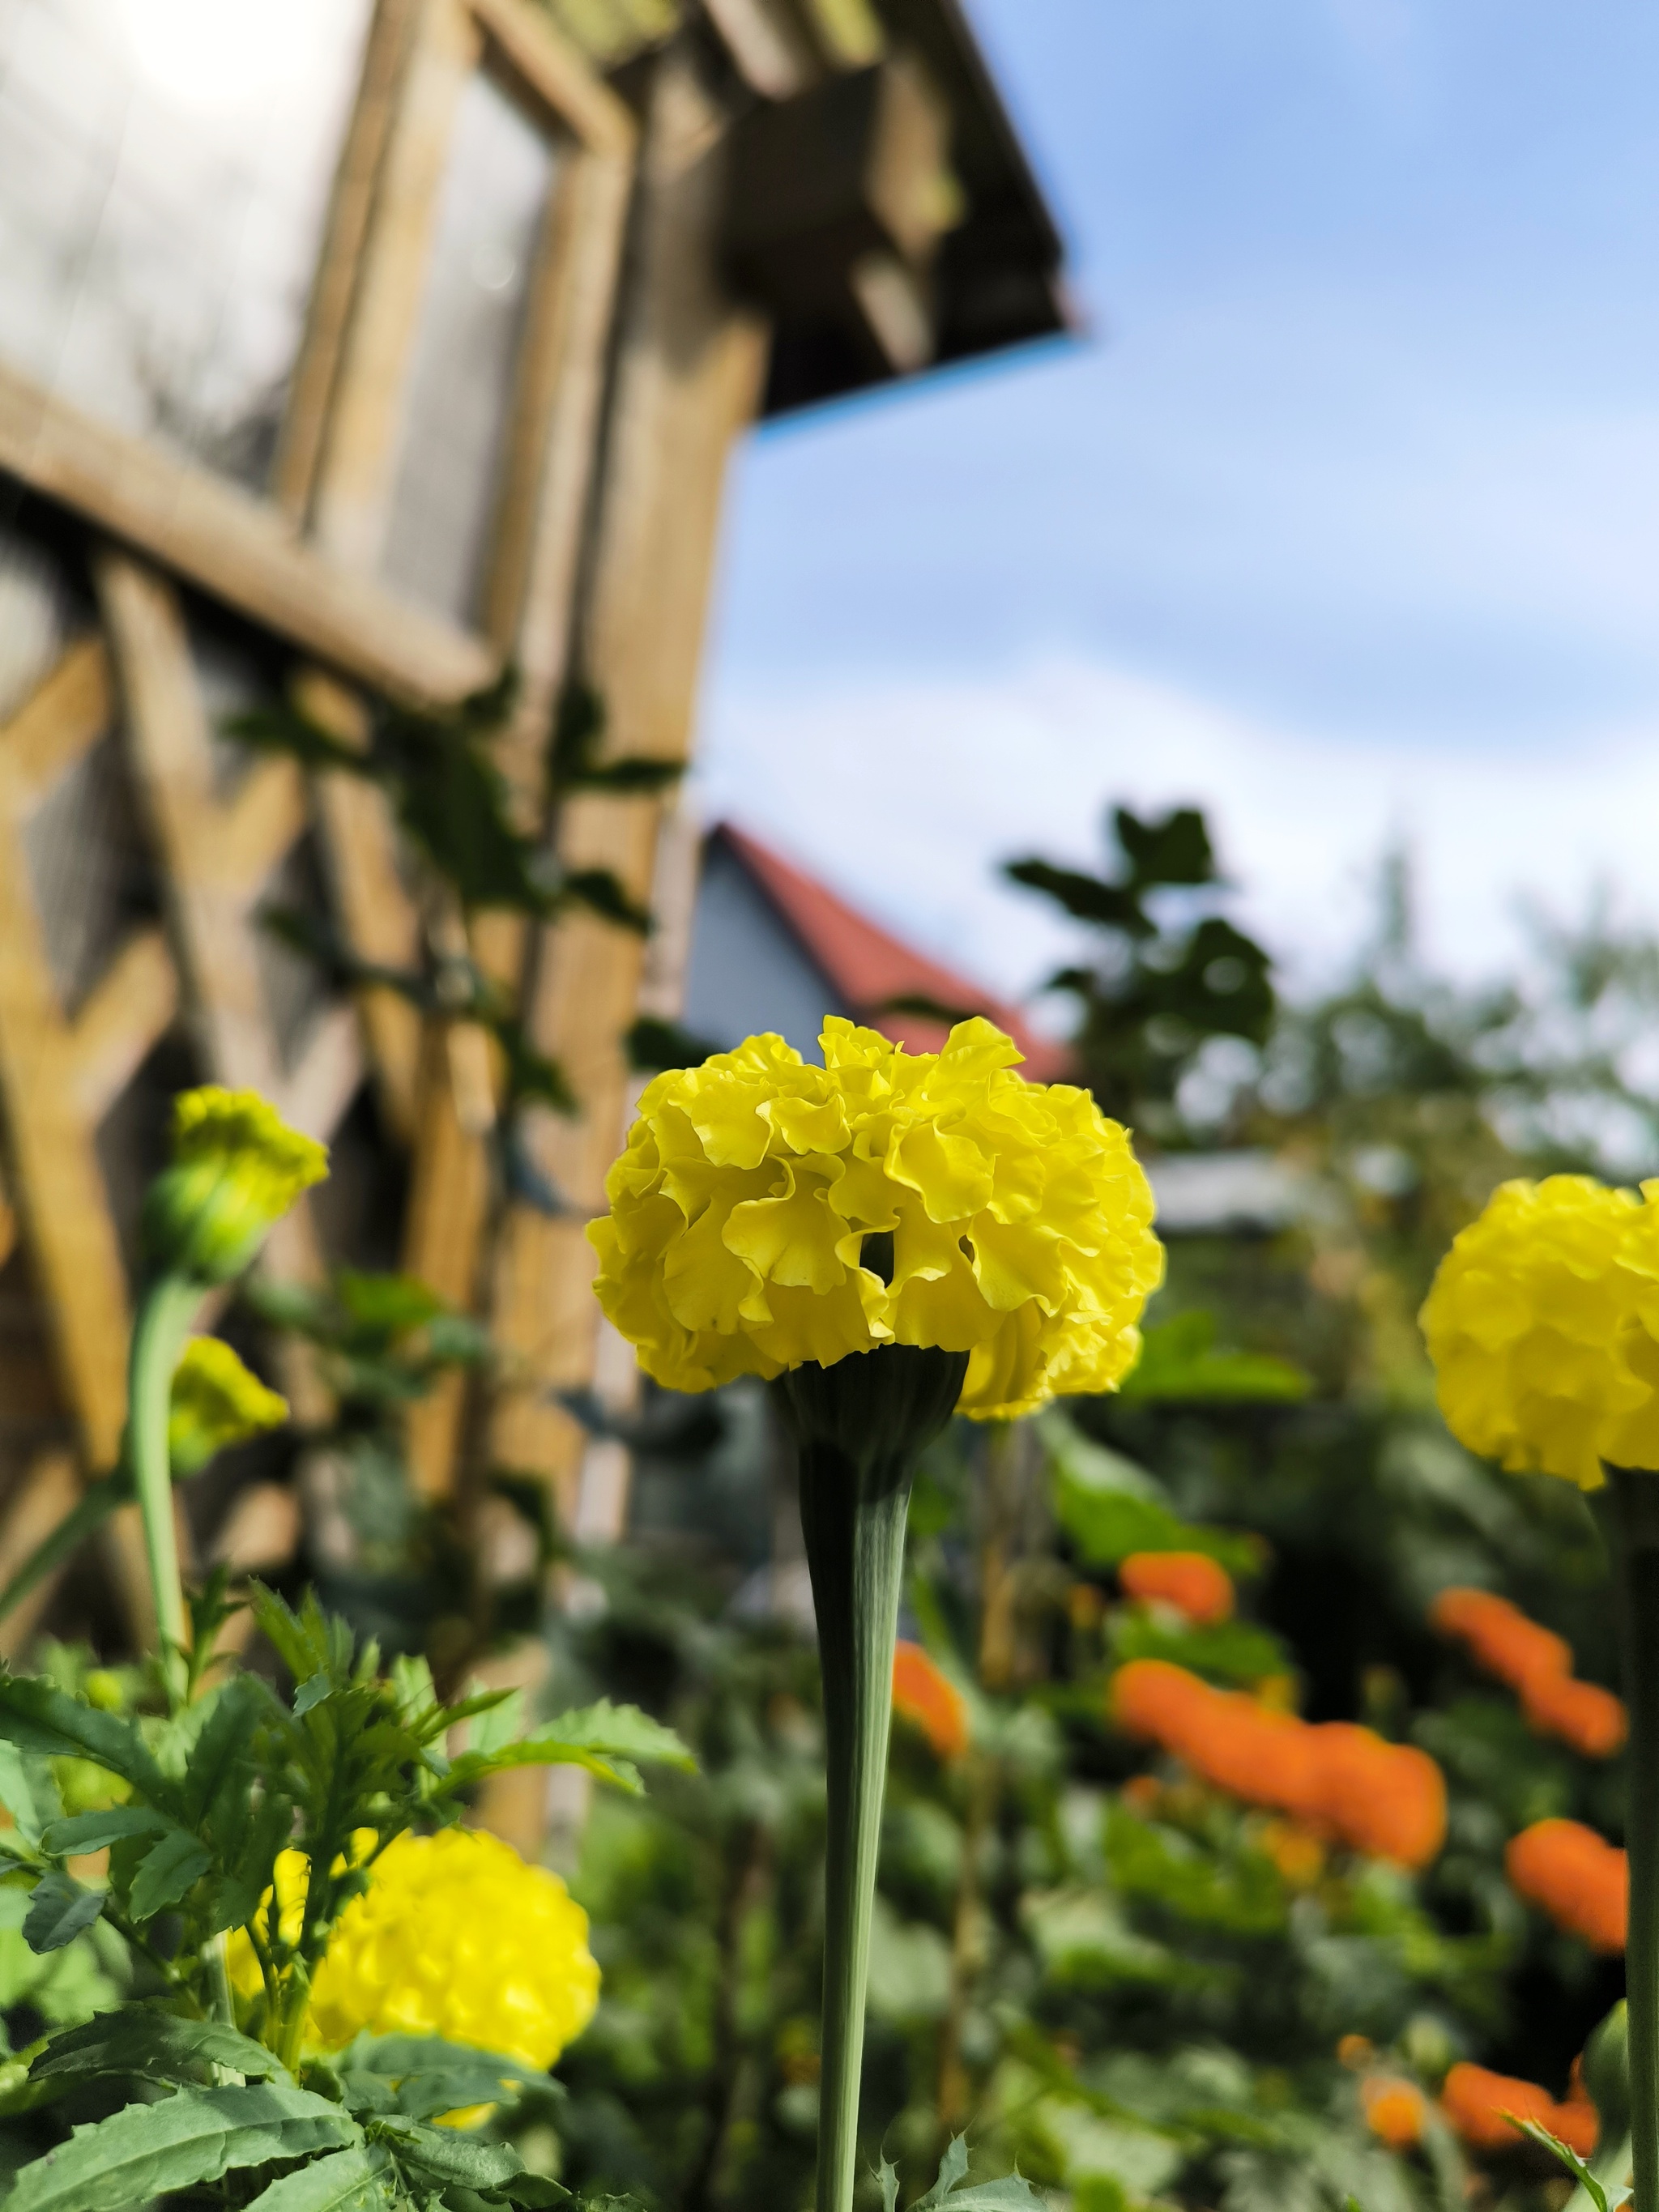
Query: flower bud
(237,1168)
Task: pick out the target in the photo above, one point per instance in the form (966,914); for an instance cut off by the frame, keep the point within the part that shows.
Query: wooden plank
(9,1227)
(59,722)
(305,421)
(442,1237)
(688,381)
(131,1006)
(360,452)
(47,1495)
(258,827)
(236,548)
(59,1189)
(558,72)
(329,1076)
(556,426)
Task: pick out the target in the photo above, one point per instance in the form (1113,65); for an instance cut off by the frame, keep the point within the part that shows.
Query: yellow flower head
(237,1168)
(215,1402)
(1018,1219)
(1543,1326)
(455,1937)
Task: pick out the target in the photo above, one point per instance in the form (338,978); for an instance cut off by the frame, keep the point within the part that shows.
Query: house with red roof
(773,948)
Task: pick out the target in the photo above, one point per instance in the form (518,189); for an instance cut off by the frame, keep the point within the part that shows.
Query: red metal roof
(866,967)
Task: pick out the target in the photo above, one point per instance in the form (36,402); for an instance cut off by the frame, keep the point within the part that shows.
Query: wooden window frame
(288,559)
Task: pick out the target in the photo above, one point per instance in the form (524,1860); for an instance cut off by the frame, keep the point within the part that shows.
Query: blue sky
(1343,518)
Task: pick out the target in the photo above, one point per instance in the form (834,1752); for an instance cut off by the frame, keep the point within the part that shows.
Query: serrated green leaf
(167,1872)
(94,1832)
(59,1909)
(356,2180)
(37,1717)
(534,2193)
(1565,2154)
(156,2046)
(434,2075)
(219,1762)
(606,1739)
(1009,2193)
(445,2155)
(143,2151)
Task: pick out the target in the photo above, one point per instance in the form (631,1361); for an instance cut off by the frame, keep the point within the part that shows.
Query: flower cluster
(215,1402)
(1483,2106)
(455,1937)
(767,1214)
(927,1697)
(1578,1877)
(1191,1581)
(1537,1665)
(1543,1325)
(1387,1799)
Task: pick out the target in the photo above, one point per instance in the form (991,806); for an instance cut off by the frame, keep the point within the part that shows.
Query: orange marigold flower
(1192,1581)
(1500,1637)
(1388,1800)
(1354,2051)
(928,1697)
(1481,2105)
(1582,1714)
(1397,2111)
(1579,1878)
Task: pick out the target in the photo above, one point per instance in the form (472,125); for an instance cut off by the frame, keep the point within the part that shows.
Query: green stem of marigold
(862,1425)
(1634,1502)
(165,1314)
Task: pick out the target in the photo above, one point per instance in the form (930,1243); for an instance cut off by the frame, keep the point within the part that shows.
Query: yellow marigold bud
(767,1214)
(455,1937)
(237,1168)
(216,1401)
(1543,1326)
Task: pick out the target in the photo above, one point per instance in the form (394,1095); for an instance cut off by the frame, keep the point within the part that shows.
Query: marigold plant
(215,1402)
(1483,2107)
(925,1696)
(1579,1878)
(752,1215)
(1191,1581)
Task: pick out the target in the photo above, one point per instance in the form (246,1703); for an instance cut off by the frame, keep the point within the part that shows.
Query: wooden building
(353,348)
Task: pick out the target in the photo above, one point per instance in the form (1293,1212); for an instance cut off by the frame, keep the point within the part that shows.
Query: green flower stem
(1634,1502)
(165,1314)
(862,1425)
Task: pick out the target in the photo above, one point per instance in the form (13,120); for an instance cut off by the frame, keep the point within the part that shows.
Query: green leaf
(1568,2157)
(1086,898)
(94,1832)
(1109,1508)
(1180,1365)
(16,1793)
(433,2075)
(143,2151)
(59,1909)
(356,2180)
(601,892)
(606,1739)
(36,1716)
(445,2155)
(156,2046)
(167,1872)
(1011,2193)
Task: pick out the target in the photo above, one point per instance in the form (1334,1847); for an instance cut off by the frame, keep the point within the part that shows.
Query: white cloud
(905,795)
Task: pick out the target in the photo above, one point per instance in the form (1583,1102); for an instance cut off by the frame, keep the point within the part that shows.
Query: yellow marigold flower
(455,1937)
(216,1401)
(237,1167)
(1543,1326)
(1020,1219)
